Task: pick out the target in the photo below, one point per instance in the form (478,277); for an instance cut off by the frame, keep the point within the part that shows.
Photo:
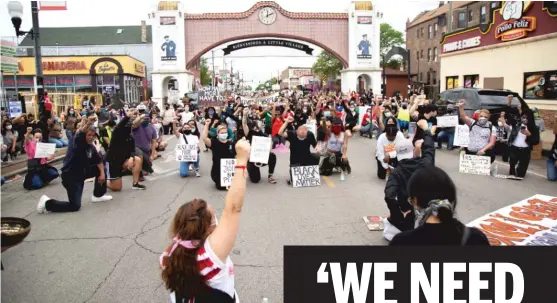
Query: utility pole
(38,57)
(213,80)
(231,76)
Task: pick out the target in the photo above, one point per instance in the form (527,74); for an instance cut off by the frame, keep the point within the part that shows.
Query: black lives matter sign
(457,274)
(305,176)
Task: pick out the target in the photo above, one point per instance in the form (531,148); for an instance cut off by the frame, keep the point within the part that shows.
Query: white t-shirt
(520,140)
(192,139)
(217,274)
(386,146)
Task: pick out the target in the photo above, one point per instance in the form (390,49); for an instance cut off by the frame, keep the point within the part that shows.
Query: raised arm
(223,238)
(245,122)
(205,134)
(282,131)
(462,113)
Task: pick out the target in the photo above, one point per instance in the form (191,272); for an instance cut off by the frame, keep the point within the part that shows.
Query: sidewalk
(19,166)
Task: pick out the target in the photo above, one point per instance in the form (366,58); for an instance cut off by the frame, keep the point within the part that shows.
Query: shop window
(421,77)
(422,54)
(472,81)
(434,77)
(494,4)
(451,82)
(422,30)
(435,29)
(418,55)
(428,78)
(470,16)
(430,32)
(418,33)
(540,85)
(435,54)
(483,14)
(461,20)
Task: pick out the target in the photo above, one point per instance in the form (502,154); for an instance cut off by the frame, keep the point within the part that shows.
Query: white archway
(364,82)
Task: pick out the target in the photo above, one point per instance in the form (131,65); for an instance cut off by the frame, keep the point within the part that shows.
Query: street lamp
(15,10)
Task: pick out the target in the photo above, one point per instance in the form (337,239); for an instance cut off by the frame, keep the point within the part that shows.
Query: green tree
(204,75)
(326,65)
(388,38)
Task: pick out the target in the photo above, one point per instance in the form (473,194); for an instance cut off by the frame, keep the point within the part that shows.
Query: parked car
(476,98)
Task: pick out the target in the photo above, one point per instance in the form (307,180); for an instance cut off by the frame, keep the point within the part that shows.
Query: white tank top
(335,144)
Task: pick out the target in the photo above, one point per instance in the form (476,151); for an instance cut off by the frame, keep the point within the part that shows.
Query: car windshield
(496,98)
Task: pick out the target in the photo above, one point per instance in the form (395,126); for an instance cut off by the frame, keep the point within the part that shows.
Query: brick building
(425,32)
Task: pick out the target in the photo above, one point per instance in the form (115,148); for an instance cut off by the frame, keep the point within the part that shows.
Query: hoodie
(396,188)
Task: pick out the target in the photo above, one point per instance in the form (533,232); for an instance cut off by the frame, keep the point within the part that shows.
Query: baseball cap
(404,149)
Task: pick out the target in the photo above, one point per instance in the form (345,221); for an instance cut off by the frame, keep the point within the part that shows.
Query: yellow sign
(81,65)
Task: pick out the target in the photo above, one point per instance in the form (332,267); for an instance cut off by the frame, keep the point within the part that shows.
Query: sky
(256,64)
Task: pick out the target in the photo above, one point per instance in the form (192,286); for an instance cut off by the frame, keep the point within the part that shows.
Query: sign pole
(38,57)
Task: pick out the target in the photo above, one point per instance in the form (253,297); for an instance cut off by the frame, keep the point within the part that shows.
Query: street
(109,252)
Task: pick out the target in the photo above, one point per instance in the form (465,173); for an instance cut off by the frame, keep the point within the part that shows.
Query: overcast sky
(130,12)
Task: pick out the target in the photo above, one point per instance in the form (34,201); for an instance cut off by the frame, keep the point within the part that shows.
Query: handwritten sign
(186,152)
(260,149)
(210,97)
(477,165)
(15,109)
(530,222)
(306,176)
(447,121)
(44,150)
(461,136)
(226,171)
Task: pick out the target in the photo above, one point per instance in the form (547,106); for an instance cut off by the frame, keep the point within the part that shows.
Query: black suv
(476,98)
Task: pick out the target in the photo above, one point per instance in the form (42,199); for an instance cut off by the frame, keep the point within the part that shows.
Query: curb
(24,170)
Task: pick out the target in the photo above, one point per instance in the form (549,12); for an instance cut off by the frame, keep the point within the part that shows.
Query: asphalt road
(108,252)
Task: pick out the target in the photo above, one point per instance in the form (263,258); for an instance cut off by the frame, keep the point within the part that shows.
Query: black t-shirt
(222,151)
(432,121)
(299,149)
(439,234)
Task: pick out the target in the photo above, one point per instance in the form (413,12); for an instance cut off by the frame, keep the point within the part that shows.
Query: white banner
(168,31)
(530,222)
(186,152)
(260,149)
(44,150)
(472,164)
(461,136)
(447,121)
(226,171)
(306,176)
(364,35)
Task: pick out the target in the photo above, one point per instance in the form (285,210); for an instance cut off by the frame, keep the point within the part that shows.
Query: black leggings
(167,128)
(255,173)
(381,171)
(215,176)
(327,167)
(520,156)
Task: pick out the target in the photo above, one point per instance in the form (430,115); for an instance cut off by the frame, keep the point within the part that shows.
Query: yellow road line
(329,182)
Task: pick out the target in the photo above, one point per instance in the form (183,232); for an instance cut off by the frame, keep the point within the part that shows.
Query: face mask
(187,109)
(187,132)
(305,111)
(223,137)
(524,121)
(193,130)
(8,127)
(145,123)
(211,112)
(83,113)
(336,130)
(483,119)
(57,119)
(500,124)
(352,109)
(327,114)
(103,110)
(72,112)
(387,115)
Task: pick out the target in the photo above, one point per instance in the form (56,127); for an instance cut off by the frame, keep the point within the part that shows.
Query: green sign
(8,59)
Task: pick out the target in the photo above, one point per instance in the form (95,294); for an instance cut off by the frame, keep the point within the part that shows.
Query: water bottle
(342,177)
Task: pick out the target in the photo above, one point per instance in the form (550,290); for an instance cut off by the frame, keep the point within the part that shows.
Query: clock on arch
(267,15)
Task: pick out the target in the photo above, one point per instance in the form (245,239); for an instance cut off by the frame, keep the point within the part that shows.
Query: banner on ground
(447,121)
(210,96)
(226,171)
(305,176)
(260,149)
(531,222)
(472,164)
(44,150)
(186,152)
(461,136)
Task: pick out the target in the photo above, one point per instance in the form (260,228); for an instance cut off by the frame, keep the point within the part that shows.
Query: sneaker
(41,207)
(272,180)
(197,174)
(101,199)
(138,186)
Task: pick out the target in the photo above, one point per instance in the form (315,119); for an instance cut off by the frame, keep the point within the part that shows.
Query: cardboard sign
(260,149)
(226,171)
(15,109)
(186,152)
(531,222)
(210,97)
(362,111)
(477,165)
(461,136)
(374,223)
(305,176)
(447,121)
(44,150)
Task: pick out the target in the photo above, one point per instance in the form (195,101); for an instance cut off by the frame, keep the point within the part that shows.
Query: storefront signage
(64,65)
(298,73)
(139,68)
(168,20)
(107,68)
(365,20)
(515,26)
(64,81)
(462,44)
(268,42)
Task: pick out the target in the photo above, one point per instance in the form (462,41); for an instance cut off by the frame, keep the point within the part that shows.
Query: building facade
(512,51)
(425,33)
(293,76)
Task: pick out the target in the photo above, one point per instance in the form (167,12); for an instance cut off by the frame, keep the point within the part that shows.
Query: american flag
(52,5)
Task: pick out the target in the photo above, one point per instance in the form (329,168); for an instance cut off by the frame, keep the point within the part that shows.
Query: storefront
(514,50)
(121,76)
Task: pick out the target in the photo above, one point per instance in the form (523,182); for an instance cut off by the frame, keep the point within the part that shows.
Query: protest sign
(306,176)
(44,150)
(210,97)
(447,121)
(461,136)
(15,109)
(530,222)
(472,164)
(186,152)
(260,149)
(226,171)
(412,127)
(312,126)
(362,111)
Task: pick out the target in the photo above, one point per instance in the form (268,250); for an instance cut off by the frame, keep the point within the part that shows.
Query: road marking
(329,182)
(528,172)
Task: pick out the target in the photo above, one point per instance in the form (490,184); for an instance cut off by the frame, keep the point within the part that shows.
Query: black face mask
(187,132)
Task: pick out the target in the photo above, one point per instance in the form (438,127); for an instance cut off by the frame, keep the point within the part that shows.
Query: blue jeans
(185,167)
(551,170)
(59,142)
(445,135)
(366,129)
(74,189)
(70,138)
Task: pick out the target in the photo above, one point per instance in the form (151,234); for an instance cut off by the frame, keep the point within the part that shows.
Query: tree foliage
(389,37)
(326,65)
(204,75)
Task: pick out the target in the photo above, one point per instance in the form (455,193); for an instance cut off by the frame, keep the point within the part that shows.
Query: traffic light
(383,89)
